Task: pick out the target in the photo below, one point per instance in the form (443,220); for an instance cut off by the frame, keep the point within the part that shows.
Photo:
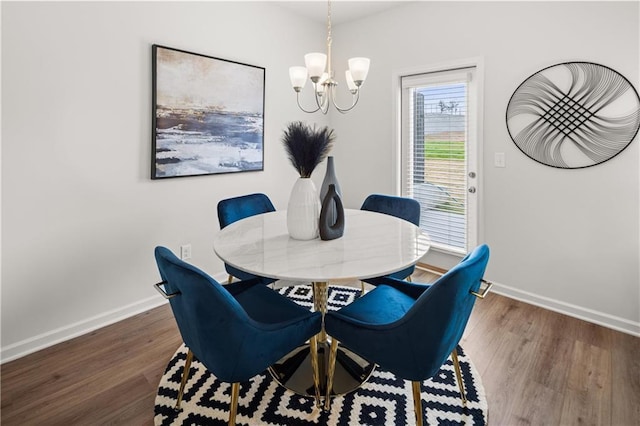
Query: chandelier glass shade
(318,69)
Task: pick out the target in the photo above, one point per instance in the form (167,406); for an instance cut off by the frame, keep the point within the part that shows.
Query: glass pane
(439,161)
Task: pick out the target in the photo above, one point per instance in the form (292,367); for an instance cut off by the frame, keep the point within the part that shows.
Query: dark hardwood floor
(538,368)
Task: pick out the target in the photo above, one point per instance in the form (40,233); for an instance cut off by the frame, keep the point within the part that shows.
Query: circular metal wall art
(573,115)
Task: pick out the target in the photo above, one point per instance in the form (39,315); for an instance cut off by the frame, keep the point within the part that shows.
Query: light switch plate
(185,252)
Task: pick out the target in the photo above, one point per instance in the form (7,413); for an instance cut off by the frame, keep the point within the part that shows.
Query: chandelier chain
(329,21)
(324,84)
(329,39)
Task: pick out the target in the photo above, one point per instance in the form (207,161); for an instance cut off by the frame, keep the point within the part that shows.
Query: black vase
(330,228)
(330,178)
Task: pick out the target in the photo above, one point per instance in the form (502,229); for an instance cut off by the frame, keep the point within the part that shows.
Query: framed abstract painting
(208,115)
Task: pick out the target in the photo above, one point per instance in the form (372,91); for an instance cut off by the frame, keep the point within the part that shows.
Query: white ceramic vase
(303,211)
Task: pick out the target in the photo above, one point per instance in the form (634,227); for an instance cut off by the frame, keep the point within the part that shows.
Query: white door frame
(396,154)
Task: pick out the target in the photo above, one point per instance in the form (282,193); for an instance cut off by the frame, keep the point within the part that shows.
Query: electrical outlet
(185,252)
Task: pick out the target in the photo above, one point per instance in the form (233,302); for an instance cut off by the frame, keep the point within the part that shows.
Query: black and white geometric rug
(382,400)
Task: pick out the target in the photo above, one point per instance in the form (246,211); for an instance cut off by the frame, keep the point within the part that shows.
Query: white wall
(564,239)
(80,215)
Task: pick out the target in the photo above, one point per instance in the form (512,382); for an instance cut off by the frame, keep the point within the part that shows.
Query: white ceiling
(341,10)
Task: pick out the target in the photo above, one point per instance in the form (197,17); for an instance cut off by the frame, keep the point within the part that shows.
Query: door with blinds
(439,155)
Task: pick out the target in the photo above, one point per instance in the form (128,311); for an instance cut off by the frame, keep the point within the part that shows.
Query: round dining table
(373,245)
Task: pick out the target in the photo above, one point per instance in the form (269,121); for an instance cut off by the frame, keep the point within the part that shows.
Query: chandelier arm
(355,99)
(300,106)
(322,101)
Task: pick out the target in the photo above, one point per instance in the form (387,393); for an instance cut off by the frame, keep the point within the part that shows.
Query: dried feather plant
(307,146)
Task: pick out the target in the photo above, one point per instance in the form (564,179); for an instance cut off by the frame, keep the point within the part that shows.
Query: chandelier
(324,85)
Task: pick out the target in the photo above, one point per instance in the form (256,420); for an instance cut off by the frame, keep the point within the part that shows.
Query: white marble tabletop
(373,244)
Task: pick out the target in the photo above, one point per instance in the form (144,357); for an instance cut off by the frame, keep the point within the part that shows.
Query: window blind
(434,153)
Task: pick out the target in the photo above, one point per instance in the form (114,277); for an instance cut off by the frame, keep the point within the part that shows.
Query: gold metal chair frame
(235,387)
(415,385)
(320,304)
(408,279)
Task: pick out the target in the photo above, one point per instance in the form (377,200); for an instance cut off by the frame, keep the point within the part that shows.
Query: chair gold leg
(417,402)
(233,407)
(230,279)
(361,288)
(185,377)
(332,369)
(456,366)
(313,348)
(408,279)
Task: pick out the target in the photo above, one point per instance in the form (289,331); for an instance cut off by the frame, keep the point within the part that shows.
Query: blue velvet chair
(401,207)
(410,329)
(236,208)
(237,330)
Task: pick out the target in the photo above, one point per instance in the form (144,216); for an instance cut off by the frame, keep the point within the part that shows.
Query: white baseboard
(600,318)
(62,334)
(585,314)
(59,335)
(53,337)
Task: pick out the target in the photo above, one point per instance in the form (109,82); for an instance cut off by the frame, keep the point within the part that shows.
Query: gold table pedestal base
(294,371)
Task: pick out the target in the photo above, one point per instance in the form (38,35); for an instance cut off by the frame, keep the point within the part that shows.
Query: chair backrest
(234,209)
(439,316)
(402,207)
(212,323)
